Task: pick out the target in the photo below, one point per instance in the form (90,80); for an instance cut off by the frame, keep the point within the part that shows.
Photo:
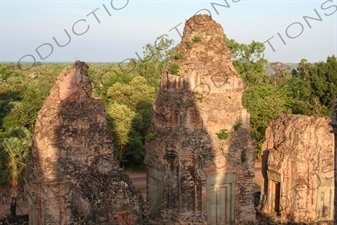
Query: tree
(300,99)
(280,73)
(264,102)
(103,77)
(121,117)
(248,61)
(322,77)
(155,60)
(130,108)
(303,68)
(131,94)
(16,148)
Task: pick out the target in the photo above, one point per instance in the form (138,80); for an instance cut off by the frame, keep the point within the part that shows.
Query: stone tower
(298,169)
(199,152)
(71,177)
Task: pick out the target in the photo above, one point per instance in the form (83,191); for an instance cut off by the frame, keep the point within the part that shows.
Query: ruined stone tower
(199,153)
(71,177)
(298,169)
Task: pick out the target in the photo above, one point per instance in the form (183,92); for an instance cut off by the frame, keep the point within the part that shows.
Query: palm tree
(16,156)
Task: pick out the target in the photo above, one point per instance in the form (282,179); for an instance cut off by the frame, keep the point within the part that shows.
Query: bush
(178,56)
(174,69)
(196,39)
(237,126)
(199,96)
(152,136)
(223,134)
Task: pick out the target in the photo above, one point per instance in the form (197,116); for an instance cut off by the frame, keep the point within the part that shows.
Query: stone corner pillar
(333,124)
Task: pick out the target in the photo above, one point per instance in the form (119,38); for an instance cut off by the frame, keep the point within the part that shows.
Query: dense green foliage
(129,108)
(249,61)
(129,91)
(309,90)
(21,96)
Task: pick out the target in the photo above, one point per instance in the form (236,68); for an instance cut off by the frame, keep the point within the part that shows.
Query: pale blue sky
(25,25)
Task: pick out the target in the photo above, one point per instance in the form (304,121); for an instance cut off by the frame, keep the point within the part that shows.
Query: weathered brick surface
(191,107)
(72,177)
(298,154)
(333,124)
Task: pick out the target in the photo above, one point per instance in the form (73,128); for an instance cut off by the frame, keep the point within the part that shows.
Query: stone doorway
(277,195)
(155,192)
(221,198)
(274,192)
(324,208)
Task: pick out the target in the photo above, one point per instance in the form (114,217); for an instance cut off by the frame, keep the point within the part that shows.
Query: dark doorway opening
(277,198)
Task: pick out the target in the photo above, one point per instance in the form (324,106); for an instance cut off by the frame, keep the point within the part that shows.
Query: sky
(117,30)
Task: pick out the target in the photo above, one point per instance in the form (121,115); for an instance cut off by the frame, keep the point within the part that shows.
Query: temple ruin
(72,177)
(200,155)
(298,169)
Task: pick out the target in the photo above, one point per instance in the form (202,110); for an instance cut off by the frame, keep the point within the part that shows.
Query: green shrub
(196,39)
(152,136)
(178,56)
(174,69)
(199,96)
(237,126)
(223,134)
(188,45)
